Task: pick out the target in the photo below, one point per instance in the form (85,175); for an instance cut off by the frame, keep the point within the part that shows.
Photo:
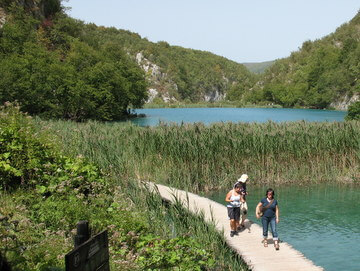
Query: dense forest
(180,73)
(52,73)
(258,67)
(321,74)
(59,67)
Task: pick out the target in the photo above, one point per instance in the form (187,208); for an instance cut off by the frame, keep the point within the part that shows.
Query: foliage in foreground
(44,193)
(190,230)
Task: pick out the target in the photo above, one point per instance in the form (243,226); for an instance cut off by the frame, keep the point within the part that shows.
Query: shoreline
(227,105)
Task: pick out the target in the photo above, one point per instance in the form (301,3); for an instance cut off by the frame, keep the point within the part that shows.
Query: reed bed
(201,158)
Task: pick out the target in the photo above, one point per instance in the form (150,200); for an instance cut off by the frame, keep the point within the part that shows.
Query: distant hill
(324,73)
(258,67)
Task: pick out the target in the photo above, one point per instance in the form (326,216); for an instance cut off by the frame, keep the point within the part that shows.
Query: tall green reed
(200,158)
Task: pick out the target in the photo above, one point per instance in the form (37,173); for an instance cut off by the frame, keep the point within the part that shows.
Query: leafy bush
(29,161)
(181,252)
(44,194)
(353,111)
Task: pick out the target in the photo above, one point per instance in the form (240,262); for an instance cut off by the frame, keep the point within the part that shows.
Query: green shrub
(181,252)
(353,111)
(44,194)
(29,160)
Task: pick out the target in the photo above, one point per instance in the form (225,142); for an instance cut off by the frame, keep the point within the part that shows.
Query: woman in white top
(233,207)
(243,205)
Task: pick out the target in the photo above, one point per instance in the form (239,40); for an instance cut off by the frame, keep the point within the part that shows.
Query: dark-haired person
(243,205)
(269,207)
(233,207)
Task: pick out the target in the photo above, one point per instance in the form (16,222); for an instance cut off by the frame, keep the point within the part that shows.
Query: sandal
(276,245)
(265,243)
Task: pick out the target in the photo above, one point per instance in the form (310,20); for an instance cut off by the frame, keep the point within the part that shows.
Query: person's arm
(228,196)
(277,214)
(257,210)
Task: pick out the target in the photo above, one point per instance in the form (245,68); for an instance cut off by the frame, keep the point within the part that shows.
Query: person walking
(233,208)
(268,210)
(243,205)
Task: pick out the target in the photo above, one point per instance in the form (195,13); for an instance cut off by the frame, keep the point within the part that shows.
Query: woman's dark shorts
(234,213)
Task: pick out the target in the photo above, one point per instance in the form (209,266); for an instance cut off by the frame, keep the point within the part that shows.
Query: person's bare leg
(232,227)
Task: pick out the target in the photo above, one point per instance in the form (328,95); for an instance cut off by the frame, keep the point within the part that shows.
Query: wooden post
(4,266)
(90,253)
(82,233)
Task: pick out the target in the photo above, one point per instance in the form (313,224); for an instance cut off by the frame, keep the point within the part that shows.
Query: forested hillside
(173,72)
(53,73)
(59,67)
(324,73)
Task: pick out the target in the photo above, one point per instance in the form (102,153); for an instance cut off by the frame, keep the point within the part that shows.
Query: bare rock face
(152,93)
(343,104)
(2,17)
(150,68)
(159,81)
(214,96)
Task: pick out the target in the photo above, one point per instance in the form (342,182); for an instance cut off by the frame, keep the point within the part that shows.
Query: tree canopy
(51,72)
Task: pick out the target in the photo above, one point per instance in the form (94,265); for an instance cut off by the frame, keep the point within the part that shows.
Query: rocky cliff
(163,87)
(2,17)
(344,102)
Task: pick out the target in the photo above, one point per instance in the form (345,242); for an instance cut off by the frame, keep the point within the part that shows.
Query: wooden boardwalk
(248,243)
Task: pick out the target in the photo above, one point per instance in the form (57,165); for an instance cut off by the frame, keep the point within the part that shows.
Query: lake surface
(211,115)
(323,221)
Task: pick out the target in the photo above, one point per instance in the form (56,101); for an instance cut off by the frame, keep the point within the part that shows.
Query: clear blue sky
(243,31)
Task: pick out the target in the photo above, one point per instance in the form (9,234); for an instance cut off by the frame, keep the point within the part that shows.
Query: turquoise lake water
(323,221)
(211,115)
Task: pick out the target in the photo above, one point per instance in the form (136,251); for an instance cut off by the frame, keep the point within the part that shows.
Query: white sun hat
(243,178)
